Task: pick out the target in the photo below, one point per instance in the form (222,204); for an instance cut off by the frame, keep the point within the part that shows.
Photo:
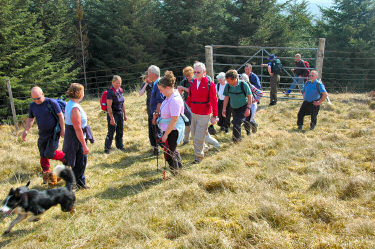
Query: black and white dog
(24,201)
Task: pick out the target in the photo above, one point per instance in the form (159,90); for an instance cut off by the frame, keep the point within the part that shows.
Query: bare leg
(19,218)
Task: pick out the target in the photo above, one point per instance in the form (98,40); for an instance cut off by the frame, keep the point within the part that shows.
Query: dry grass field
(278,188)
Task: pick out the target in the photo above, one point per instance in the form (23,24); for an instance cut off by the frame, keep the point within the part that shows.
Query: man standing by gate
(274,69)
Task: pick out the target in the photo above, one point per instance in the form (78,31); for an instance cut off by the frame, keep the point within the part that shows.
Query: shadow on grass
(128,190)
(16,234)
(18,178)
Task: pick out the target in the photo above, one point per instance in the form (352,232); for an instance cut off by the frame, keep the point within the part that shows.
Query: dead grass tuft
(354,188)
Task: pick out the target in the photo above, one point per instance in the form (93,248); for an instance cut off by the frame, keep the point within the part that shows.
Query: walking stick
(157,147)
(165,158)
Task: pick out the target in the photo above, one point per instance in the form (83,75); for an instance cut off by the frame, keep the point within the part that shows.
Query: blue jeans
(299,81)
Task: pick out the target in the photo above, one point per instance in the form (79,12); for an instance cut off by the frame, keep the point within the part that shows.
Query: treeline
(51,42)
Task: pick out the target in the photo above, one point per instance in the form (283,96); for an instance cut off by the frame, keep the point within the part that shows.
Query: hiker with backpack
(224,122)
(116,115)
(50,121)
(300,71)
(238,93)
(254,81)
(274,68)
(257,94)
(314,93)
(171,121)
(202,101)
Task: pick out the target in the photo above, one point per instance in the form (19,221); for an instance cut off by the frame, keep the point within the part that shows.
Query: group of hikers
(175,113)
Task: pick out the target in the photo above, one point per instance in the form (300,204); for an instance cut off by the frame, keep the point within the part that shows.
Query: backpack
(208,87)
(307,65)
(62,104)
(257,94)
(103,99)
(277,67)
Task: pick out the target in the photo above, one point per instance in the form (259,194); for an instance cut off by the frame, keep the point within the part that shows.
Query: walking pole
(157,147)
(165,158)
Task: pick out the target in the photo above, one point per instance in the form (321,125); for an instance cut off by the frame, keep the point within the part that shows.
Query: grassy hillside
(279,188)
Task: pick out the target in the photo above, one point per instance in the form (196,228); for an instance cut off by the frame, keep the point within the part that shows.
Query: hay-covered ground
(278,188)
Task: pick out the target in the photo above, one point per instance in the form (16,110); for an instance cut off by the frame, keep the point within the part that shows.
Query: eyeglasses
(37,98)
(197,72)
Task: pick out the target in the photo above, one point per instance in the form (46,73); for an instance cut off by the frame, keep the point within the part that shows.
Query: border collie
(24,201)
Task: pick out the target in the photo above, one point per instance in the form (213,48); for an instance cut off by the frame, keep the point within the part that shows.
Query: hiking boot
(156,151)
(197,161)
(106,151)
(185,143)
(300,127)
(254,126)
(272,103)
(312,127)
(52,179)
(46,177)
(122,149)
(226,130)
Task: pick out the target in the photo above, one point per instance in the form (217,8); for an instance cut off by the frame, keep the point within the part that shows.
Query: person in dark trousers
(314,93)
(274,68)
(224,122)
(300,71)
(240,97)
(170,120)
(147,88)
(75,146)
(42,109)
(116,115)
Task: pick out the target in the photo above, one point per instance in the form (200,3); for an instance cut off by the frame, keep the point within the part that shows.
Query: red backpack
(103,99)
(307,65)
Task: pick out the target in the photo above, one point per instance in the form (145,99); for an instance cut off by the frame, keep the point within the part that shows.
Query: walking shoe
(300,127)
(226,130)
(254,126)
(156,151)
(106,151)
(272,103)
(197,161)
(312,127)
(185,142)
(122,149)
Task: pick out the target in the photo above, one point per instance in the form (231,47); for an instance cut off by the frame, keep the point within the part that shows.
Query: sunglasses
(37,98)
(197,72)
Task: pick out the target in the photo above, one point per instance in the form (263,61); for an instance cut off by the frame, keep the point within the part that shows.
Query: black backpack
(276,67)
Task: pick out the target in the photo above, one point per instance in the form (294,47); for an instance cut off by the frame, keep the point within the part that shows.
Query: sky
(315,3)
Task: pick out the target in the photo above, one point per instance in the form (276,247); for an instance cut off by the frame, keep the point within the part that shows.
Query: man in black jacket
(300,72)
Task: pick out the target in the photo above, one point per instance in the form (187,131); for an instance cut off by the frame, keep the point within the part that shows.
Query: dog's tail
(65,173)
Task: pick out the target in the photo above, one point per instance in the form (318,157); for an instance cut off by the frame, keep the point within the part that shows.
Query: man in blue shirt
(156,99)
(254,80)
(314,93)
(45,110)
(274,69)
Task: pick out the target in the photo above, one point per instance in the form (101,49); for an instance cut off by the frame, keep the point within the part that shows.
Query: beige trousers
(199,125)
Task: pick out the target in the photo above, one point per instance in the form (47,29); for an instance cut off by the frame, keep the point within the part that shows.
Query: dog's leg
(34,218)
(19,218)
(73,210)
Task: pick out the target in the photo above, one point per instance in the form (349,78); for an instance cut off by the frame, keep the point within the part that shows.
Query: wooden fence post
(320,57)
(12,103)
(209,62)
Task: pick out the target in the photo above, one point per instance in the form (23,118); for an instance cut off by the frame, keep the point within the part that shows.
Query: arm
(249,102)
(324,96)
(170,127)
(156,114)
(270,70)
(29,123)
(226,99)
(110,113)
(143,89)
(62,124)
(76,120)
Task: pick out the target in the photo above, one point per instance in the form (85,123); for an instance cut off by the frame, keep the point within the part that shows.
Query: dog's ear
(27,184)
(11,191)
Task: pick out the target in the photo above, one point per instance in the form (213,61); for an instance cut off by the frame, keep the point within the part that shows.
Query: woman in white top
(224,122)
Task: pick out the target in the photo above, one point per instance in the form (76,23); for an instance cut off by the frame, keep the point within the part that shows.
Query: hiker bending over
(170,121)
(116,115)
(48,115)
(240,97)
(314,93)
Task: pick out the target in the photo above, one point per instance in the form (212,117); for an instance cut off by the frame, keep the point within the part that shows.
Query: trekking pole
(157,146)
(165,158)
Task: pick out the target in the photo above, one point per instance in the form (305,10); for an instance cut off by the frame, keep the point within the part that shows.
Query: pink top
(171,107)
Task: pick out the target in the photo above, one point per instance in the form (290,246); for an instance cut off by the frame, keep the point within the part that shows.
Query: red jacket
(201,96)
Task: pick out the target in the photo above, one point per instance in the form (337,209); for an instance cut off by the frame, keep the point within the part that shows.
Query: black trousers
(151,132)
(172,156)
(224,122)
(118,128)
(238,119)
(308,108)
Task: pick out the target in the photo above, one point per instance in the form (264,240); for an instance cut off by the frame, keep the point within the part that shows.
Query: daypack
(277,67)
(103,99)
(62,104)
(208,87)
(307,65)
(257,94)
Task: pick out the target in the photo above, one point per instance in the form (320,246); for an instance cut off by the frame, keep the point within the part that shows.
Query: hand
(164,138)
(112,122)
(62,133)
(316,103)
(213,120)
(125,117)
(247,112)
(85,150)
(292,70)
(24,134)
(224,113)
